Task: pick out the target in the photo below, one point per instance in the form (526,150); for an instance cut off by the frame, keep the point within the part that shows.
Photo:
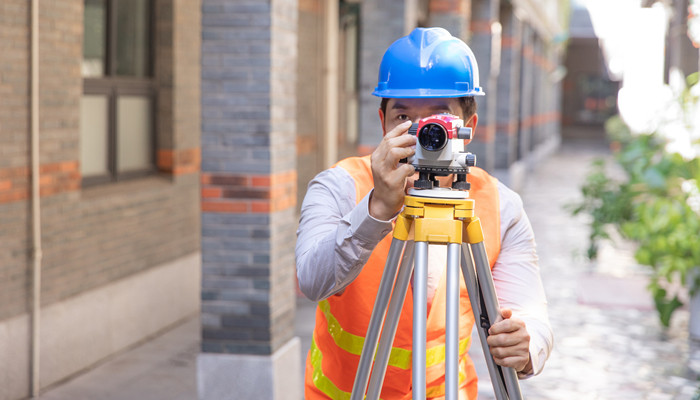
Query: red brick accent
(179,162)
(480,26)
(538,60)
(237,193)
(313,6)
(59,177)
(54,178)
(510,128)
(540,119)
(509,42)
(445,6)
(14,184)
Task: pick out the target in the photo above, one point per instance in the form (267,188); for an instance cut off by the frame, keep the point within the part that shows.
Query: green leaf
(654,178)
(664,306)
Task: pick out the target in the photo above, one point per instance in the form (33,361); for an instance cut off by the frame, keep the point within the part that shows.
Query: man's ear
(471,122)
(381,118)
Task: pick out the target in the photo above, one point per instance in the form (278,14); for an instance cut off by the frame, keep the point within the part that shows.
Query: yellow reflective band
(436,354)
(439,390)
(320,380)
(398,357)
(324,384)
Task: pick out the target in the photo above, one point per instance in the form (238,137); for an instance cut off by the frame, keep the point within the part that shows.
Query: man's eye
(402,117)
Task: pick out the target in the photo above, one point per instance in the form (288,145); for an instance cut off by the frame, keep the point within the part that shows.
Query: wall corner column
(248,198)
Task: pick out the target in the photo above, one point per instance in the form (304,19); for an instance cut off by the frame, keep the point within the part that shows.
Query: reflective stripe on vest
(320,380)
(398,357)
(326,386)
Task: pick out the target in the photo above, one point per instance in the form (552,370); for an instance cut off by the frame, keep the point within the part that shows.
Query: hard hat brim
(426,93)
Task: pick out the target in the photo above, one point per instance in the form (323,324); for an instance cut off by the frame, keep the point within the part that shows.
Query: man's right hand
(389,175)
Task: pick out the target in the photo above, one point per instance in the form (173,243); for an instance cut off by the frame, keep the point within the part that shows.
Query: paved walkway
(609,344)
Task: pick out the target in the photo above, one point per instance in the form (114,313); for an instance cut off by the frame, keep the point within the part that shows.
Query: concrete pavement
(608,341)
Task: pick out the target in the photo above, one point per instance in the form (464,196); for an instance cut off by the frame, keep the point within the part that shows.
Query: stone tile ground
(609,343)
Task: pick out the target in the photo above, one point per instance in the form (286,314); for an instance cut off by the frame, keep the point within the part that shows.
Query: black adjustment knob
(461,185)
(464,133)
(423,184)
(470,159)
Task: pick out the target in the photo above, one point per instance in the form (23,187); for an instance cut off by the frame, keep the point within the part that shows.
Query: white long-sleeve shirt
(337,234)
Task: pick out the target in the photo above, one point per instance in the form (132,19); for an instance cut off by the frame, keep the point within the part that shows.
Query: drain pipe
(36,209)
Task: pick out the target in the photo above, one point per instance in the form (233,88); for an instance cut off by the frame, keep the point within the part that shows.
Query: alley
(609,344)
(608,341)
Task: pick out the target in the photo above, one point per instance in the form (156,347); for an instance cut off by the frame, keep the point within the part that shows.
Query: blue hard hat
(429,62)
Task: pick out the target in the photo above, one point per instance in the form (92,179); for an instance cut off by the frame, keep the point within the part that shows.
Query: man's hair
(468,105)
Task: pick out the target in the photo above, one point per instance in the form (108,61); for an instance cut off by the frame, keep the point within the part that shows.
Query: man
(344,237)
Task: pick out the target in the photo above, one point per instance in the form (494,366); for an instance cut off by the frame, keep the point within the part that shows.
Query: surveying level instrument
(438,216)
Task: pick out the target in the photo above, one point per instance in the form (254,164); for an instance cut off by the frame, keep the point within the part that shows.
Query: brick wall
(90,236)
(453,15)
(382,22)
(484,14)
(14,153)
(506,139)
(248,175)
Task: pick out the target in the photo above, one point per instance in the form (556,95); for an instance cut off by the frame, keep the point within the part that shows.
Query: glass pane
(93,135)
(133,133)
(94,38)
(132,32)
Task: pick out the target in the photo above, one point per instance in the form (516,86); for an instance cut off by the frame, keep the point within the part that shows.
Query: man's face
(400,110)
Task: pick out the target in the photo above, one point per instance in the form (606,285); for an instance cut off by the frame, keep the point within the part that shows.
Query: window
(117,124)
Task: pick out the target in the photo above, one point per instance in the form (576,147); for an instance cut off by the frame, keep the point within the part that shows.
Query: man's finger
(506,313)
(504,326)
(401,141)
(397,153)
(399,129)
(503,341)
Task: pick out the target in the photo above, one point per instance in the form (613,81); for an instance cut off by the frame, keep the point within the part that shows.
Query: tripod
(445,217)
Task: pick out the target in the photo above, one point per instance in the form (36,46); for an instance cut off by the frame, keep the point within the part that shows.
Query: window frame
(113,86)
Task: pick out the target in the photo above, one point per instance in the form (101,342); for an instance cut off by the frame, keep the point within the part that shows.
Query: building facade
(286,93)
(155,154)
(99,182)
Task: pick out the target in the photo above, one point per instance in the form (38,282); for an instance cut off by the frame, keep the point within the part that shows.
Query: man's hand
(388,174)
(509,342)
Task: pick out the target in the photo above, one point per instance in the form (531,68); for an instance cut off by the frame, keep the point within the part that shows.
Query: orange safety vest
(342,319)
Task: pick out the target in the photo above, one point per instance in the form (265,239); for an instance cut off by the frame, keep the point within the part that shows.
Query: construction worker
(345,232)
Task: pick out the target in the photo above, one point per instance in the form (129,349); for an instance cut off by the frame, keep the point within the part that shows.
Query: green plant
(656,202)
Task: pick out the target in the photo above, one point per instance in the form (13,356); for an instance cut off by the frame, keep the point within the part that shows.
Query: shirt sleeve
(516,276)
(336,236)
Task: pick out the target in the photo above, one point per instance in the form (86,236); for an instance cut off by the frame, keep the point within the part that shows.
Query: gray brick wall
(249,58)
(452,15)
(484,13)
(235,85)
(382,24)
(508,90)
(91,236)
(527,93)
(14,153)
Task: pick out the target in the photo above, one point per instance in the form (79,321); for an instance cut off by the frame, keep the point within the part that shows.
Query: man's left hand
(509,342)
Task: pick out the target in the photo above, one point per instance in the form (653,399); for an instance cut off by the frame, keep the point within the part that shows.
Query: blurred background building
(154,155)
